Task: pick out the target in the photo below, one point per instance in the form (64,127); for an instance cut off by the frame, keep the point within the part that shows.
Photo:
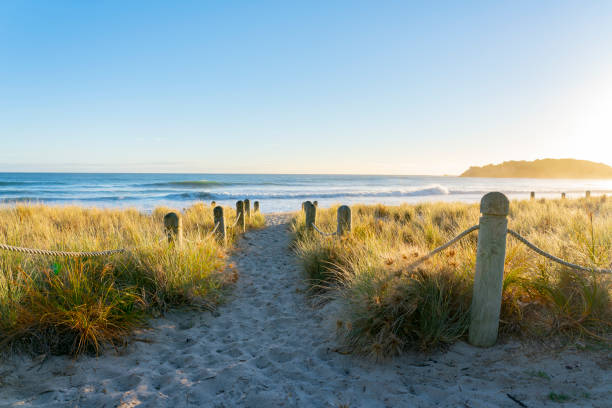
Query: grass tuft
(63,306)
(388,308)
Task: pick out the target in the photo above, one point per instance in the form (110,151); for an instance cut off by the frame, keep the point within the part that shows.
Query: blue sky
(394,87)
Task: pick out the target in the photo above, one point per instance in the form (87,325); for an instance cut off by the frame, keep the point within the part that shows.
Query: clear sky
(393,87)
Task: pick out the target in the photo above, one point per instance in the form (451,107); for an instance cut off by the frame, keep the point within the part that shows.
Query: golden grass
(59,305)
(388,308)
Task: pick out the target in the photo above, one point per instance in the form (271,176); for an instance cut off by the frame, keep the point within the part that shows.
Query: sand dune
(267,347)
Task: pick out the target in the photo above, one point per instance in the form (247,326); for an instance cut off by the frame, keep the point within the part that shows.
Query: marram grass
(387,308)
(69,306)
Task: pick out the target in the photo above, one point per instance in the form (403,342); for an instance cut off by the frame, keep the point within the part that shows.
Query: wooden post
(256,207)
(213,204)
(532,195)
(174,228)
(247,209)
(240,214)
(588,194)
(315,203)
(489,276)
(311,214)
(563,196)
(344,220)
(220,232)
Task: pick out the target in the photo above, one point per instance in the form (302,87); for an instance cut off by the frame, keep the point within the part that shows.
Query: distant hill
(544,168)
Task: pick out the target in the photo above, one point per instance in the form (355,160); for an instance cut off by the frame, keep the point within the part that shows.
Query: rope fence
(325,234)
(490,260)
(553,258)
(443,247)
(35,251)
(235,222)
(172,225)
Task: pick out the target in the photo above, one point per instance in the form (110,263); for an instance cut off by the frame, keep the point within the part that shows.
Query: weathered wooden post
(344,220)
(315,203)
(220,232)
(563,196)
(532,195)
(588,194)
(240,214)
(247,209)
(174,228)
(256,207)
(213,204)
(311,214)
(489,276)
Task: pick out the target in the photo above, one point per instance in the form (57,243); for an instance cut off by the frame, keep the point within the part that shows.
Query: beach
(271,345)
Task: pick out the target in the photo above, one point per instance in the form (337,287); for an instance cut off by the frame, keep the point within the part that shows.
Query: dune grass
(387,308)
(60,305)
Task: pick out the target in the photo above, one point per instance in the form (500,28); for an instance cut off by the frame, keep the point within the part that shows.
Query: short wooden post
(247,209)
(588,194)
(213,204)
(311,214)
(256,207)
(344,220)
(240,214)
(220,232)
(489,276)
(174,228)
(532,195)
(563,196)
(315,203)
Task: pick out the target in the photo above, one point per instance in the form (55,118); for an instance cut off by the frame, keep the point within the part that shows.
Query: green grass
(387,308)
(69,306)
(553,396)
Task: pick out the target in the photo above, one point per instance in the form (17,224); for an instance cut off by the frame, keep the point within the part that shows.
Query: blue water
(275,192)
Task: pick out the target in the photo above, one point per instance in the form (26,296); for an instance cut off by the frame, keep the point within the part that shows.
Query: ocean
(275,192)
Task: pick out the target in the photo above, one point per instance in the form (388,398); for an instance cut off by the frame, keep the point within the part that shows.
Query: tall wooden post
(311,214)
(344,220)
(240,214)
(256,207)
(489,276)
(173,226)
(220,232)
(247,209)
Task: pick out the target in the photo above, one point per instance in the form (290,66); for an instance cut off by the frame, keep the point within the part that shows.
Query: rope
(235,222)
(325,234)
(210,234)
(34,251)
(443,247)
(554,258)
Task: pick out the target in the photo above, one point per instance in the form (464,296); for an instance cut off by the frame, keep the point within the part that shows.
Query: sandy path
(267,347)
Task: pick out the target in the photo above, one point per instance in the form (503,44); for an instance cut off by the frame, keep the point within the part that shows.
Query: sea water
(276,192)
